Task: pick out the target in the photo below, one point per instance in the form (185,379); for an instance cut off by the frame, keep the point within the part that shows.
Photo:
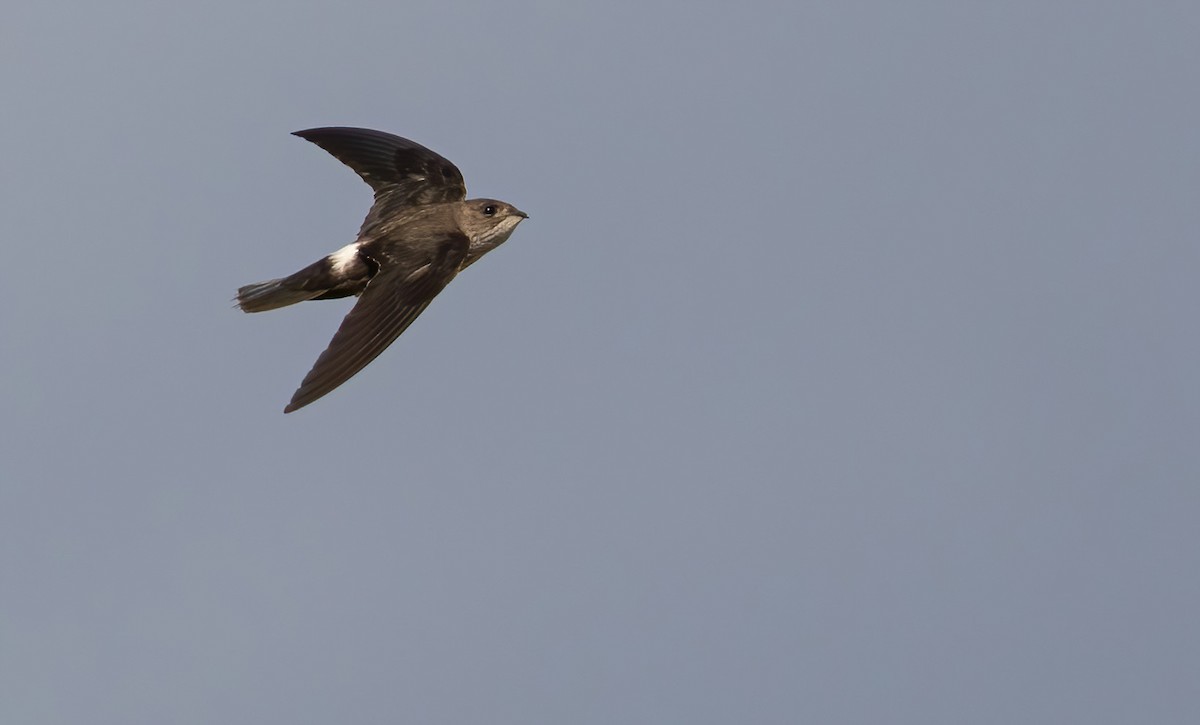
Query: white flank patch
(344,256)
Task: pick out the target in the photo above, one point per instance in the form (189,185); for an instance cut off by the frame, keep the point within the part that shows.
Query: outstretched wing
(401,172)
(390,303)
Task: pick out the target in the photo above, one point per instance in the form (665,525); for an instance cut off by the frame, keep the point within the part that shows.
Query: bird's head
(488,222)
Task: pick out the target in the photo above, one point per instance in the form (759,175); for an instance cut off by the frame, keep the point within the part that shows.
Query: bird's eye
(489,210)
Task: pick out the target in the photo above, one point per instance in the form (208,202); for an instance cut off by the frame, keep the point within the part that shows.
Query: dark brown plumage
(420,232)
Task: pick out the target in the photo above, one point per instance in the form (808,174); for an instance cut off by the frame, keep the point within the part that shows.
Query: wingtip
(297,402)
(304,133)
(308,133)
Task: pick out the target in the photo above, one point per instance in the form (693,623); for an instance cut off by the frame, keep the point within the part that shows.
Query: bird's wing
(401,172)
(389,304)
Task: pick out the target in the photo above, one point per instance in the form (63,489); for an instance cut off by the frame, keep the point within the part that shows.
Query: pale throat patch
(343,257)
(501,231)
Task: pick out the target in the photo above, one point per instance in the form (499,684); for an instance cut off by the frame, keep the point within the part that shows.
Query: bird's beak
(520,213)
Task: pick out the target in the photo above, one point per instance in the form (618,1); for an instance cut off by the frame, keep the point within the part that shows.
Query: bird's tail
(271,295)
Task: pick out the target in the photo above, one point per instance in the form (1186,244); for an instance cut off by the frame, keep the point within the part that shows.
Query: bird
(420,232)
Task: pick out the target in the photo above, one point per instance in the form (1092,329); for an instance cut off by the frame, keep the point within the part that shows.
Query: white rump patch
(343,257)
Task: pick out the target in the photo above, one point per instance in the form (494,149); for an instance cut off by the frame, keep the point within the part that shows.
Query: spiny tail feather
(271,295)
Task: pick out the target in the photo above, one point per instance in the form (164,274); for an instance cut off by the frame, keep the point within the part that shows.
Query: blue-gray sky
(845,372)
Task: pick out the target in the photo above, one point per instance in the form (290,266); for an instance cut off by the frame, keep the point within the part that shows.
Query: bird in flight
(420,232)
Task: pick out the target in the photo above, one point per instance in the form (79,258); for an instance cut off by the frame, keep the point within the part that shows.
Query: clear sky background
(846,370)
